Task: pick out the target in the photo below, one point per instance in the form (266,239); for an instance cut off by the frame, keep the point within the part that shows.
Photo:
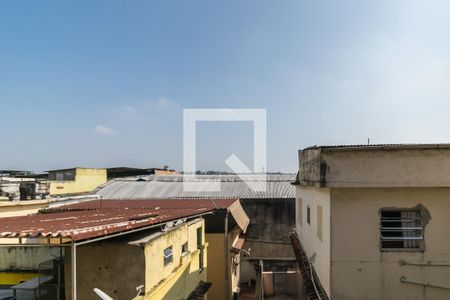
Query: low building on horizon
(120,172)
(75,180)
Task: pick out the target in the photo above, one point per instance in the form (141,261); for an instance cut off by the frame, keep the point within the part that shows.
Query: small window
(300,211)
(68,175)
(184,248)
(168,255)
(319,223)
(200,246)
(308,215)
(401,229)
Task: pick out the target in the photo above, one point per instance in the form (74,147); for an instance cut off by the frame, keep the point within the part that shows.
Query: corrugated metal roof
(380,146)
(97,218)
(277,186)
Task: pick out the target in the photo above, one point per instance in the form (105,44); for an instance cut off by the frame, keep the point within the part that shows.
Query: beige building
(373,220)
(75,180)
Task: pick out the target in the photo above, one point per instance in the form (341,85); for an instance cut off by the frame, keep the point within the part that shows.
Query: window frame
(201,263)
(319,231)
(184,249)
(420,228)
(308,214)
(168,258)
(299,211)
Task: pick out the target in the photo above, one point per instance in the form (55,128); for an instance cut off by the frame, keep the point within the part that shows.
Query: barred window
(401,229)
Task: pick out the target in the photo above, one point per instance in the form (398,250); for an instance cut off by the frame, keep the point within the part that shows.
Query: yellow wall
(178,279)
(216,274)
(12,278)
(216,259)
(86,180)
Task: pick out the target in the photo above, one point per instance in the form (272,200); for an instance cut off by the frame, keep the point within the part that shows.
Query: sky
(104,83)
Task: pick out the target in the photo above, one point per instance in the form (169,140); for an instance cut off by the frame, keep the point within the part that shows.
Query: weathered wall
(280,283)
(112,266)
(315,242)
(21,208)
(86,180)
(178,279)
(271,221)
(234,270)
(26,258)
(21,263)
(216,259)
(361,271)
(375,168)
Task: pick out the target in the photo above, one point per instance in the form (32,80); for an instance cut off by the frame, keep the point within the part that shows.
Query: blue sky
(104,83)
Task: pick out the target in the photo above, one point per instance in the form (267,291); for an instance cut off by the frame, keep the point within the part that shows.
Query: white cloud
(104,130)
(130,112)
(166,103)
(162,103)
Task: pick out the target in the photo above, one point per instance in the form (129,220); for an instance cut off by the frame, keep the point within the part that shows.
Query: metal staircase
(312,287)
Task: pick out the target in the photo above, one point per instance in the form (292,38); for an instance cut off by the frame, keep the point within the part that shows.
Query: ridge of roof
(380,146)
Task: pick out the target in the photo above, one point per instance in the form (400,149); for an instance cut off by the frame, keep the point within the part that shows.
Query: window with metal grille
(168,255)
(401,229)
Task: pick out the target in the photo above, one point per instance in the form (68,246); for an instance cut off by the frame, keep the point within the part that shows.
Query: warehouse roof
(92,219)
(277,186)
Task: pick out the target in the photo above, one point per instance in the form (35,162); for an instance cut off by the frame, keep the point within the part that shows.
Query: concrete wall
(86,180)
(271,221)
(280,283)
(361,271)
(21,263)
(216,258)
(178,279)
(112,266)
(21,208)
(26,258)
(375,167)
(314,243)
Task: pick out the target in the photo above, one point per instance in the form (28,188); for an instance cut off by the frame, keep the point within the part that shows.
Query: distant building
(23,185)
(75,180)
(118,245)
(120,172)
(373,221)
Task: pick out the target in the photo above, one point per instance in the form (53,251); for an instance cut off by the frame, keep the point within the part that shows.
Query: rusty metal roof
(98,218)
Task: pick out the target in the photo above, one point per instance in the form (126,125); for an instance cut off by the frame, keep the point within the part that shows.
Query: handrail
(406,280)
(428,264)
(312,278)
